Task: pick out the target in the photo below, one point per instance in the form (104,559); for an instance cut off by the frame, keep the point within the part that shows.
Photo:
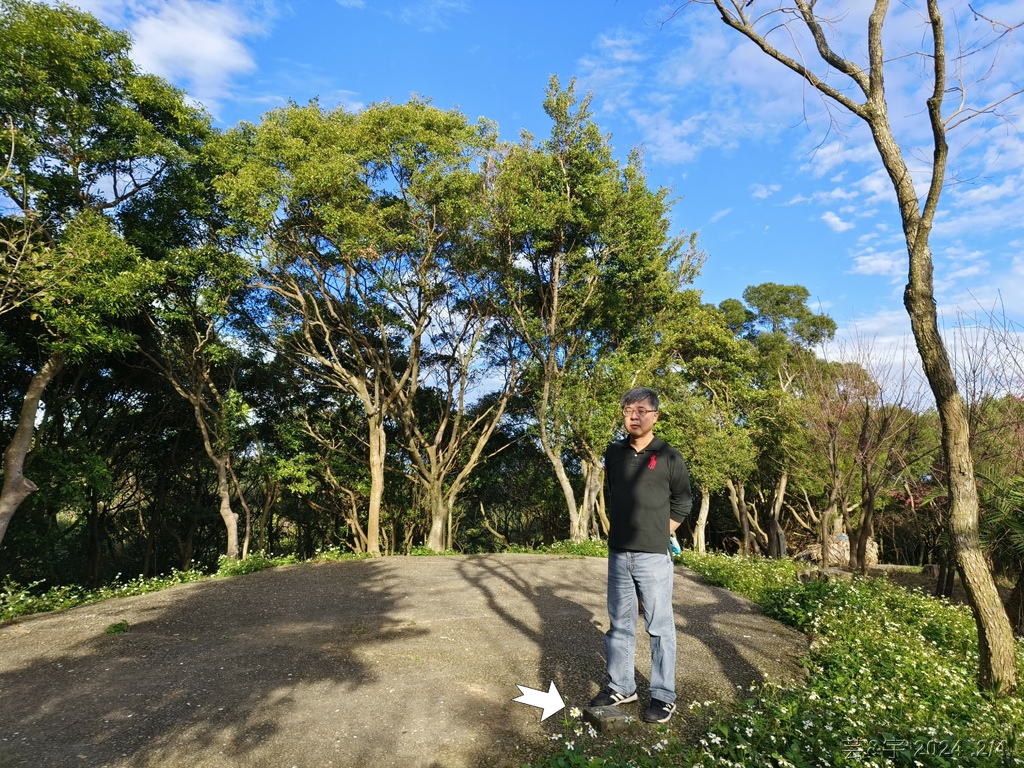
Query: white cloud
(970,271)
(981,220)
(196,43)
(762,192)
(876,187)
(828,157)
(836,223)
(887,263)
(987,193)
(431,15)
(997,294)
(622,47)
(825,196)
(986,350)
(721,215)
(670,140)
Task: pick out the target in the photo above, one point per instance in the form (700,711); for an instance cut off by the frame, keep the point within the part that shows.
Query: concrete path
(387,662)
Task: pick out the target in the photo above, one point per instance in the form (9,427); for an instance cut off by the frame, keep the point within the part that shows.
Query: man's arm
(680,499)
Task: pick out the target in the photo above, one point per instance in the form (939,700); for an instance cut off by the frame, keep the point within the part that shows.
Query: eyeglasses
(641,412)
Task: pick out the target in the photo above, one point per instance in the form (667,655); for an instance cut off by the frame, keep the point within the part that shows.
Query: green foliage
(891,682)
(782,309)
(336,554)
(96,278)
(754,578)
(17,601)
(585,548)
(256,561)
(422,550)
(89,128)
(117,628)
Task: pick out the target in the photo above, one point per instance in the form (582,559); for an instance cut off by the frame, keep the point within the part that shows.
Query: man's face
(639,418)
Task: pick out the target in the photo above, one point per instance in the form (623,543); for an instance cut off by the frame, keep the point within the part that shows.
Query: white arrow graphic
(550,702)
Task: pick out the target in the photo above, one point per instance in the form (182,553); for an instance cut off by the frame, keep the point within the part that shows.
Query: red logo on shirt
(654,461)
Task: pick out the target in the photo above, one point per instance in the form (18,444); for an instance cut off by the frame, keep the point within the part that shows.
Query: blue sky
(778,186)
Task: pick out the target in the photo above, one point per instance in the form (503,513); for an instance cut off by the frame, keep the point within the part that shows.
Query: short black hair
(638,395)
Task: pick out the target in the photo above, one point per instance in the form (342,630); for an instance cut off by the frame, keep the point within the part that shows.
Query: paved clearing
(387,662)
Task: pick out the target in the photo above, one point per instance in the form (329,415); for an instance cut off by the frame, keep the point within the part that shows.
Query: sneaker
(609,698)
(658,712)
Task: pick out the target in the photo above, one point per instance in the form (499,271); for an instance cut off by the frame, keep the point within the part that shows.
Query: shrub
(255,561)
(587,548)
(17,601)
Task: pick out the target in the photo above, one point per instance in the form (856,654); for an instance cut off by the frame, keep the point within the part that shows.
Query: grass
(891,682)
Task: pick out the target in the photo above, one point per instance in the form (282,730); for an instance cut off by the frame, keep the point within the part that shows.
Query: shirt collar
(655,445)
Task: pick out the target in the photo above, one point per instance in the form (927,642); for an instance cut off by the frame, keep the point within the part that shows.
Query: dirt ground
(387,662)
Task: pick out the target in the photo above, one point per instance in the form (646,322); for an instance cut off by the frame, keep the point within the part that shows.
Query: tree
(84,140)
(369,228)
(712,388)
(831,400)
(582,252)
(193,349)
(781,331)
(862,93)
(73,317)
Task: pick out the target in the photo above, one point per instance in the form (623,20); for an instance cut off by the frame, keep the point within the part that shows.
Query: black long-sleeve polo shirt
(644,490)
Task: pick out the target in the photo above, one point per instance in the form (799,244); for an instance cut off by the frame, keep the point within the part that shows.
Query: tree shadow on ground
(564,628)
(394,661)
(216,663)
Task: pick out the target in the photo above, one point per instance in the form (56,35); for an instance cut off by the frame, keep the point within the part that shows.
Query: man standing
(648,495)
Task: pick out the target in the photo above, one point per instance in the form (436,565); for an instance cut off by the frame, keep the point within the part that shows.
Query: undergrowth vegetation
(891,682)
(18,600)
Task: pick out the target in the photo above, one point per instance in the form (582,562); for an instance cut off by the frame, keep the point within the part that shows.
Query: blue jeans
(650,576)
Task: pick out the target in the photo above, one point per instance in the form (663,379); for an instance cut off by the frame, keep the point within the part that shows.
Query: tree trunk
(776,536)
(94,525)
(997,662)
(699,543)
(825,533)
(223,467)
(593,468)
(378,452)
(16,486)
(602,515)
(228,515)
(577,523)
(737,497)
(860,537)
(577,526)
(998,665)
(438,512)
